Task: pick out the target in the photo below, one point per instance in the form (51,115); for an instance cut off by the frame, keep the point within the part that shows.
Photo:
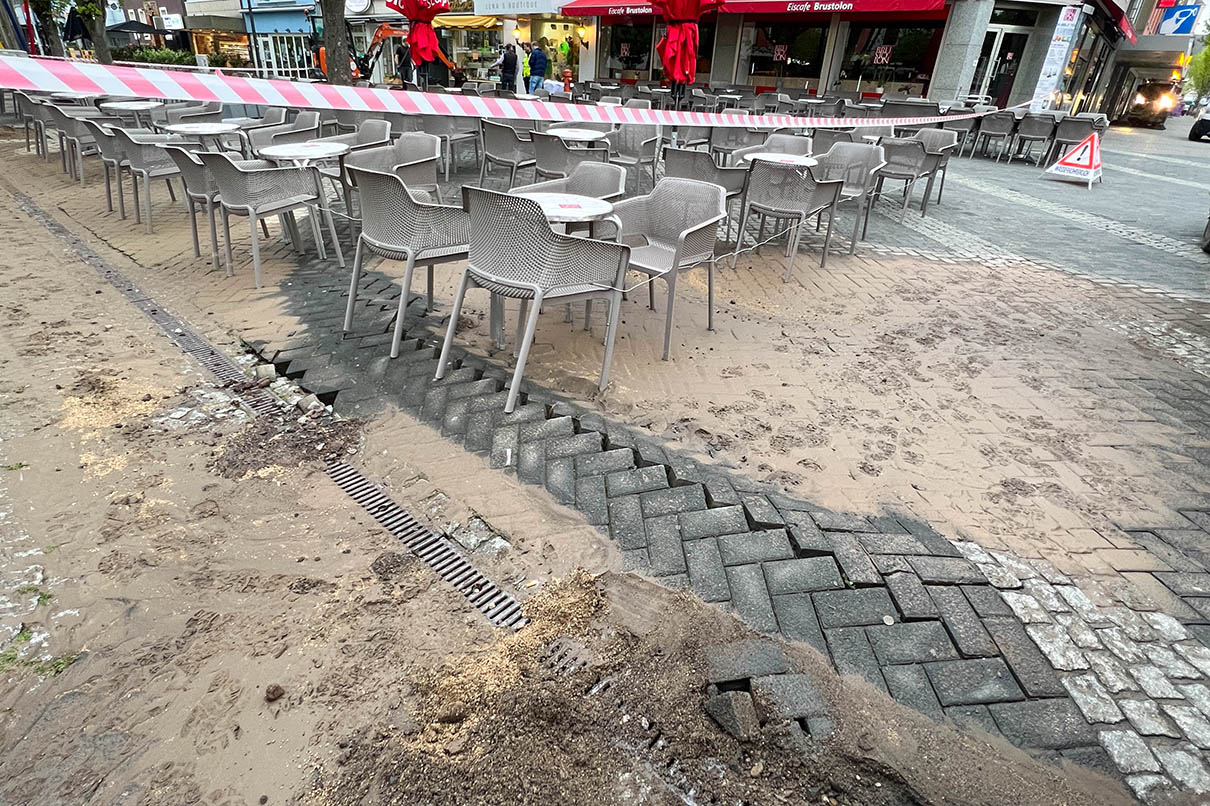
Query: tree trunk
(336,43)
(100,42)
(54,38)
(8,37)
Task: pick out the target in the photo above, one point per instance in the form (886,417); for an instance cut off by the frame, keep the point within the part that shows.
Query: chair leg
(827,238)
(671,278)
(520,327)
(531,326)
(428,303)
(147,203)
(928,193)
(794,235)
(482,173)
(651,295)
(455,312)
(941,184)
(709,295)
(108,188)
(171,192)
(197,248)
(512,176)
(255,252)
(611,330)
(348,325)
(861,210)
(213,234)
(397,339)
(908,187)
(340,255)
(227,241)
(134,194)
(741,223)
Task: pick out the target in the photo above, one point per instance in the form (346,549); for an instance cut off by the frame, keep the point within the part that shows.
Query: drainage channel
(437,551)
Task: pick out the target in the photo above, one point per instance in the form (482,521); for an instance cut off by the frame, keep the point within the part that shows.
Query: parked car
(1153,104)
(1201,124)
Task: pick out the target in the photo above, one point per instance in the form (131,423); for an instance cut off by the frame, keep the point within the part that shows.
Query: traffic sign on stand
(1081,164)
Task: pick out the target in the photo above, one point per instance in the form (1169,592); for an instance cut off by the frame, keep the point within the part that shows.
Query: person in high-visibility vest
(525,67)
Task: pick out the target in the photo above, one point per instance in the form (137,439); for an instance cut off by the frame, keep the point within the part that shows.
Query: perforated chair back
(198,181)
(556,158)
(502,143)
(854,164)
(788,144)
(936,141)
(596,179)
(904,157)
(513,251)
(824,139)
(1073,129)
(998,124)
(107,142)
(773,186)
(690,164)
(395,222)
(637,103)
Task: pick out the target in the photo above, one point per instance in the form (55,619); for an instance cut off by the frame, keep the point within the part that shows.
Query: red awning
(827,6)
(602,8)
(1118,15)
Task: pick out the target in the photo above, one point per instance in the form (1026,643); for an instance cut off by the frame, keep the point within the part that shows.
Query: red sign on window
(779,52)
(882,54)
(624,49)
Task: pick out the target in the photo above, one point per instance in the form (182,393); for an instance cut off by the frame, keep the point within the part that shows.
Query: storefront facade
(981,49)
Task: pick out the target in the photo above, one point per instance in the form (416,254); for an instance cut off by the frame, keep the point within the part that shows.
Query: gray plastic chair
(514,253)
(996,126)
(788,193)
(725,140)
(856,165)
(402,224)
(634,145)
(259,190)
(304,127)
(200,188)
(677,225)
(370,134)
(908,161)
(452,131)
(1070,132)
(964,128)
(414,158)
(939,144)
(596,179)
(1032,129)
(689,164)
(146,159)
(777,143)
(503,146)
(824,139)
(556,159)
(112,158)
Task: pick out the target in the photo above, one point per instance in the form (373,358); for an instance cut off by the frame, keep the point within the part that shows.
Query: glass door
(999,59)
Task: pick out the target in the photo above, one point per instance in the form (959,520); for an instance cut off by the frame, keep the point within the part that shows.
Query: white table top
(204,128)
(577,135)
(453,89)
(132,106)
(784,159)
(525,96)
(241,122)
(813,101)
(565,208)
(610,86)
(304,152)
(729,95)
(660,89)
(72,96)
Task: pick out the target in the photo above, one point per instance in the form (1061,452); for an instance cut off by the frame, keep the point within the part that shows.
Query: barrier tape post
(54,75)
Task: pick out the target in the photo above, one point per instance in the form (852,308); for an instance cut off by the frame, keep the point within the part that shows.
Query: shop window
(785,50)
(909,51)
(1014,16)
(628,51)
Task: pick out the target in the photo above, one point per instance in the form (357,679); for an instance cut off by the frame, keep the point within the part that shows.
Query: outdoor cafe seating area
(539,212)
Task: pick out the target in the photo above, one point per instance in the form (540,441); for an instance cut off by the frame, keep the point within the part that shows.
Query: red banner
(600,8)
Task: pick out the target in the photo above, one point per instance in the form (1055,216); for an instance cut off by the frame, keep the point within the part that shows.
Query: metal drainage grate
(436,550)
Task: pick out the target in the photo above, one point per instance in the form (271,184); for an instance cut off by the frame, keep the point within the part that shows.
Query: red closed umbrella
(422,39)
(678,46)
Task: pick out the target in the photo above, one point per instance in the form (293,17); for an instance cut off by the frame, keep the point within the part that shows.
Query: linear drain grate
(436,550)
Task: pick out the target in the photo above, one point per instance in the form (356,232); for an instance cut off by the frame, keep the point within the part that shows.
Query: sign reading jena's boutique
(511,8)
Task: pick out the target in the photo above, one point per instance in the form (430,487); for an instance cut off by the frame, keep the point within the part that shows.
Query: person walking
(537,67)
(525,67)
(508,68)
(403,62)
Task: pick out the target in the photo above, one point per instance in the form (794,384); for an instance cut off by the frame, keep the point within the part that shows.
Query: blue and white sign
(1178,20)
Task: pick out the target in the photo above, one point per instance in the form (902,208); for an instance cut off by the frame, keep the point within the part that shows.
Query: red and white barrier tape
(46,75)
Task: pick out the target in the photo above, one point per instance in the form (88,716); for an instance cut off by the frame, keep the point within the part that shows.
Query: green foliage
(90,9)
(10,657)
(1197,77)
(153,56)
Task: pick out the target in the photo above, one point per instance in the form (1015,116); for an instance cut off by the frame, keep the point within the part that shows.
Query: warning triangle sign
(1081,164)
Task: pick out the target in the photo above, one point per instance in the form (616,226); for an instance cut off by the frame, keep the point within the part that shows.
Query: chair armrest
(697,241)
(417,172)
(597,262)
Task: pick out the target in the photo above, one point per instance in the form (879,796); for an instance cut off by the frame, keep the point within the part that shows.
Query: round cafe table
(783,159)
(303,155)
(574,135)
(133,108)
(212,130)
